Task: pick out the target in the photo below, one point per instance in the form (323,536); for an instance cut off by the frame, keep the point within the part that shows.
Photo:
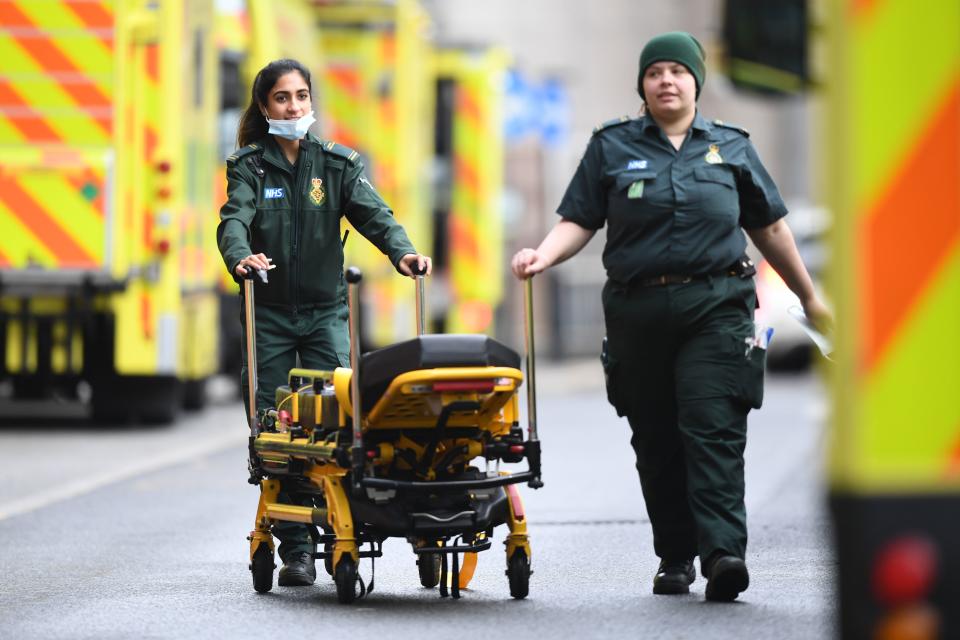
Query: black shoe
(297,571)
(726,577)
(674,577)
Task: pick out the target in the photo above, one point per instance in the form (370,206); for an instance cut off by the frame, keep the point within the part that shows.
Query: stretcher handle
(531,360)
(421,298)
(249,317)
(357,454)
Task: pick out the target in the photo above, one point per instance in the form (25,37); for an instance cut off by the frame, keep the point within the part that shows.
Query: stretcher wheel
(345,577)
(518,573)
(328,561)
(262,567)
(429,566)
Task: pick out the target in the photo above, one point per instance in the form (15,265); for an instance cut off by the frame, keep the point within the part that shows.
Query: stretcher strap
(453,575)
(366,590)
(443,576)
(455,578)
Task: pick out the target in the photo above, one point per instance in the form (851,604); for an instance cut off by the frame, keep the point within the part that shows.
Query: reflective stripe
(896,194)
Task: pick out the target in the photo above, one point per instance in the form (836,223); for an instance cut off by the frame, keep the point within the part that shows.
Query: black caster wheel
(429,567)
(328,561)
(262,568)
(518,573)
(345,577)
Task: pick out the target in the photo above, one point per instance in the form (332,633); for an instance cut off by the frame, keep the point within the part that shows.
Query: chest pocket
(717,189)
(718,174)
(624,179)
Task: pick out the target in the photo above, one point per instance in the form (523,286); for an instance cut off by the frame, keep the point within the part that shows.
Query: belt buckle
(661,280)
(686,279)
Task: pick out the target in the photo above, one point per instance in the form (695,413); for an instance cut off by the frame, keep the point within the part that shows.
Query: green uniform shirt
(669,211)
(292,214)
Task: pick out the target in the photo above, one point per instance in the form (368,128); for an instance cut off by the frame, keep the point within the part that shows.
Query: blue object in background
(541,111)
(554,111)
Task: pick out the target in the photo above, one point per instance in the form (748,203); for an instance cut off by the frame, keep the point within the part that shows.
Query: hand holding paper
(824,344)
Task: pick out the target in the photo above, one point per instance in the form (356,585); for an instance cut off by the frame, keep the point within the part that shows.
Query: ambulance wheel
(262,567)
(345,577)
(195,394)
(429,566)
(518,573)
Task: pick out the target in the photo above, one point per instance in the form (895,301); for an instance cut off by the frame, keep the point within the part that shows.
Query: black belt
(742,268)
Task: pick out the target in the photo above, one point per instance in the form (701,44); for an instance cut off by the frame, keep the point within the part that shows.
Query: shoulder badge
(611,123)
(727,125)
(243,152)
(339,150)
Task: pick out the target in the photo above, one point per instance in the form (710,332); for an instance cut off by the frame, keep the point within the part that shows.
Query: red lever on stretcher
(482,386)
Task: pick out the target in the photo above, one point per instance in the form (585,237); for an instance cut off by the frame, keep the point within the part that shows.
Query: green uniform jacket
(670,211)
(292,214)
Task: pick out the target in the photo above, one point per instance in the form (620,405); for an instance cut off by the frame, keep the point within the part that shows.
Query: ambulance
(890,71)
(107,147)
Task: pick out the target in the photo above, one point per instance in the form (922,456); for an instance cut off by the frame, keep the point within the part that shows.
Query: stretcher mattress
(379,368)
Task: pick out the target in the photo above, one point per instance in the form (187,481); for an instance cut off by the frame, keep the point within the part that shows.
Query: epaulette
(243,152)
(727,125)
(611,123)
(339,150)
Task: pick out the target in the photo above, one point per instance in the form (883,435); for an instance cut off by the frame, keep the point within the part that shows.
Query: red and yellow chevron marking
(475,221)
(898,140)
(57,79)
(52,217)
(56,88)
(344,90)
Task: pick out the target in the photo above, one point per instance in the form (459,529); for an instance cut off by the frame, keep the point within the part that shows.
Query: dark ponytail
(253,124)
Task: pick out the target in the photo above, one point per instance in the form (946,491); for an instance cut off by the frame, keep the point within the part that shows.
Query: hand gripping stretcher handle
(421,300)
(248,304)
(357,455)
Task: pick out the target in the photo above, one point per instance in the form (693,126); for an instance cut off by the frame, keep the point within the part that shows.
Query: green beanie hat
(675,46)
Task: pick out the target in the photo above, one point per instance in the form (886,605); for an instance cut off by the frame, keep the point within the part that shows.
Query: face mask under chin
(291,129)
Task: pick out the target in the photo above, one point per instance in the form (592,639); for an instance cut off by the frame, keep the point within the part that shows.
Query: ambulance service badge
(713,156)
(317,194)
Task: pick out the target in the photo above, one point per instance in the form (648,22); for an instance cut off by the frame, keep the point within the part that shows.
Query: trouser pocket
(609,375)
(750,378)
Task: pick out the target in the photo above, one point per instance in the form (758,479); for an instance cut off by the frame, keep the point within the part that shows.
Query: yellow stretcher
(401,466)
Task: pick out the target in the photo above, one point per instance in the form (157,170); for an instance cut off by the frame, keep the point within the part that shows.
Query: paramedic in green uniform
(683,363)
(286,194)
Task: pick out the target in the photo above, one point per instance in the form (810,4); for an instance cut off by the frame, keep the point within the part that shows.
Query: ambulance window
(231,83)
(231,102)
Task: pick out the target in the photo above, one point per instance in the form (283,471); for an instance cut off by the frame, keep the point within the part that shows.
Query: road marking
(216,443)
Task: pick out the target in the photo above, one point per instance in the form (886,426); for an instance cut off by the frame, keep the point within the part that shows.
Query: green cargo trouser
(678,368)
(321,339)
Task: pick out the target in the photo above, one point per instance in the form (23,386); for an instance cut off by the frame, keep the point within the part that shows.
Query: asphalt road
(140,533)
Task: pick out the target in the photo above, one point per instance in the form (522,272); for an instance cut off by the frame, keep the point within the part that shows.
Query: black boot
(726,577)
(674,577)
(298,570)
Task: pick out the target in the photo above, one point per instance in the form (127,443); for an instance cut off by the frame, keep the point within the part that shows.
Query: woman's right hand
(528,262)
(254,261)
(819,314)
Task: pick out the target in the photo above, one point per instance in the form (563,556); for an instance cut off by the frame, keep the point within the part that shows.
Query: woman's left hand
(412,262)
